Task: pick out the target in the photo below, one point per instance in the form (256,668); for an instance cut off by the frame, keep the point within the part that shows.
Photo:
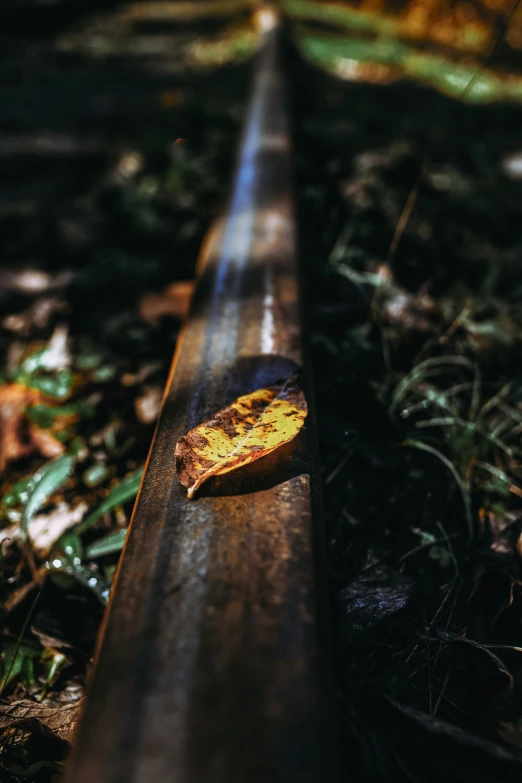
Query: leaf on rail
(249,428)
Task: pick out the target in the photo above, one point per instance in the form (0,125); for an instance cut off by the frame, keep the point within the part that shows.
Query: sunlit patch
(265,19)
(249,428)
(512,165)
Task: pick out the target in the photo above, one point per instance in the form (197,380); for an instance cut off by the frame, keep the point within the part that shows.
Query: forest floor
(114,158)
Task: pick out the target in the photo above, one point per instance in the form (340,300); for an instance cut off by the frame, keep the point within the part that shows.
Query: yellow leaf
(251,427)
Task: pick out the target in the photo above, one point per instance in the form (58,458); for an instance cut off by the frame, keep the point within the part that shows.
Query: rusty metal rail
(210,666)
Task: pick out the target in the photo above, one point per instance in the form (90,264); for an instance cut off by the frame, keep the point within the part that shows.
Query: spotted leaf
(249,428)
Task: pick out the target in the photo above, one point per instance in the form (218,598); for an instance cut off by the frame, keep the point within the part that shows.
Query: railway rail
(213,660)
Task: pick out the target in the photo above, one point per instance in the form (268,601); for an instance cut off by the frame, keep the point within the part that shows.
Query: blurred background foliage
(442,43)
(438,42)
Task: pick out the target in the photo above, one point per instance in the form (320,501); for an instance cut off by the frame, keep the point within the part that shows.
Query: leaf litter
(91,303)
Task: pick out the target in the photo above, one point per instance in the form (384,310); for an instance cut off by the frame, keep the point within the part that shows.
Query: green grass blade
(417,444)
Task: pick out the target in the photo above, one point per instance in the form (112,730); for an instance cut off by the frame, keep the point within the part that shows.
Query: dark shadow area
(255,372)
(197,27)
(91,180)
(28,19)
(391,508)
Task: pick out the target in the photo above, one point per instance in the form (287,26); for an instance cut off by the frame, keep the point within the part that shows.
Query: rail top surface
(209,666)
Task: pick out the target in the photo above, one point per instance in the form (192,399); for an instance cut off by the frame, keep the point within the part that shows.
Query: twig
(439,610)
(404,218)
(442,692)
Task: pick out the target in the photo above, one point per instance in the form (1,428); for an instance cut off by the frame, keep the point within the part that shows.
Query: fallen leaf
(41,379)
(173,302)
(148,404)
(58,713)
(36,316)
(249,428)
(20,437)
(145,371)
(33,281)
(129,164)
(45,529)
(376,595)
(57,352)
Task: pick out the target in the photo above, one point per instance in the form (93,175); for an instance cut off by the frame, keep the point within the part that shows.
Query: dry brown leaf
(45,529)
(148,404)
(173,302)
(19,436)
(36,316)
(249,428)
(58,713)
